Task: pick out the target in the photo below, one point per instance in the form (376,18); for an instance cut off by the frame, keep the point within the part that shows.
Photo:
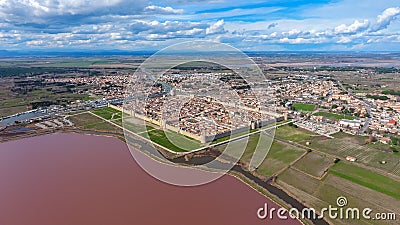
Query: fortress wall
(201,138)
(116,107)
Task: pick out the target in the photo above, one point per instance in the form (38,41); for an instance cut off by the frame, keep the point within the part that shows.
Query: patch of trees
(377,97)
(36,105)
(395,141)
(23,71)
(391,92)
(381,70)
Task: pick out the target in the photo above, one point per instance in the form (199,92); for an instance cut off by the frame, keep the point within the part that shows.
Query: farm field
(322,193)
(314,164)
(344,145)
(334,115)
(87,121)
(279,156)
(12,103)
(367,179)
(291,133)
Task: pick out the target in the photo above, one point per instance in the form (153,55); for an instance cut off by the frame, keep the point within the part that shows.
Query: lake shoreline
(249,179)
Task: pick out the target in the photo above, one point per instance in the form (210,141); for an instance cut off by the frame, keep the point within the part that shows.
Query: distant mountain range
(90,53)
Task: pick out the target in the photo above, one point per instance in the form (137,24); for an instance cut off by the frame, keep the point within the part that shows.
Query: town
(330,129)
(314,100)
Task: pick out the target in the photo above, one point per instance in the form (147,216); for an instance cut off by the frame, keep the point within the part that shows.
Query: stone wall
(202,138)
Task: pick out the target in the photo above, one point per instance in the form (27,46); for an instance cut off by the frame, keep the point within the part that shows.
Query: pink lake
(72,179)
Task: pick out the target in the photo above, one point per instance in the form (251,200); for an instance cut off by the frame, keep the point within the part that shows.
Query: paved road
(368,106)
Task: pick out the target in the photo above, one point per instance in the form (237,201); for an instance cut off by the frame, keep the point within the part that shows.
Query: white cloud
(386,18)
(356,27)
(131,24)
(162,10)
(40,11)
(344,40)
(236,12)
(216,28)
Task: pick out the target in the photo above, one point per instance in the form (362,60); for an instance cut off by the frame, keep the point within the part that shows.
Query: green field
(321,193)
(87,121)
(334,116)
(367,179)
(299,180)
(76,63)
(108,113)
(12,102)
(291,133)
(171,140)
(134,127)
(279,156)
(314,164)
(303,107)
(343,145)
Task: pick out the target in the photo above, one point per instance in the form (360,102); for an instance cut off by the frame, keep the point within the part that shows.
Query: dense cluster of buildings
(106,86)
(385,116)
(338,109)
(202,106)
(214,103)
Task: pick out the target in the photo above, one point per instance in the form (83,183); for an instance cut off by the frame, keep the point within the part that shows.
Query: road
(368,106)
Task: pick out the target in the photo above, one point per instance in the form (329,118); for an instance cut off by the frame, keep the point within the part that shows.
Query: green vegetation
(303,107)
(135,128)
(87,121)
(377,97)
(19,71)
(180,143)
(80,64)
(334,115)
(69,64)
(15,100)
(291,133)
(391,92)
(343,145)
(382,70)
(367,179)
(320,193)
(279,156)
(314,164)
(395,141)
(108,113)
(299,180)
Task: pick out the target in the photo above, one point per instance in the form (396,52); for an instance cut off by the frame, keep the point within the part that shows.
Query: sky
(251,25)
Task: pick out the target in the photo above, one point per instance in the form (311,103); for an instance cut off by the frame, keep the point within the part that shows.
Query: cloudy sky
(251,25)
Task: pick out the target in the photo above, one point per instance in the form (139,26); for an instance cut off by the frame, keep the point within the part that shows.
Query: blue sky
(251,25)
